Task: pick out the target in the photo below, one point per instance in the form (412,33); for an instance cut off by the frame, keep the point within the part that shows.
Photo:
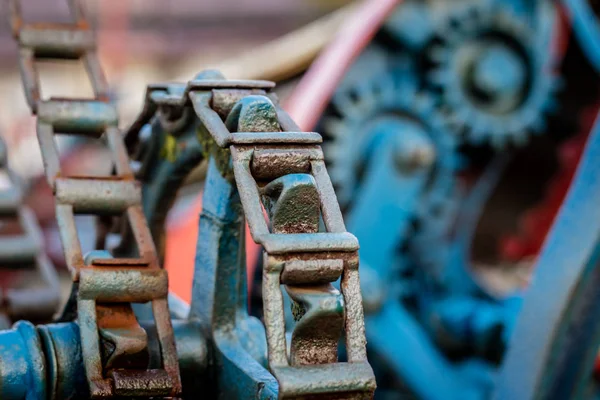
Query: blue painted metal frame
(219,294)
(586,26)
(558,330)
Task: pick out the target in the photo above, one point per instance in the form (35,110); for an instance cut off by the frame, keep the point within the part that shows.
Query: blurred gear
(379,97)
(376,92)
(493,72)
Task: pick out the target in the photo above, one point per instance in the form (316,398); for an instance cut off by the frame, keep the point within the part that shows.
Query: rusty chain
(21,248)
(273,165)
(280,169)
(114,345)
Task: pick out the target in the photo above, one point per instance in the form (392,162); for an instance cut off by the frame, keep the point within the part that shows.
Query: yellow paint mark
(169,149)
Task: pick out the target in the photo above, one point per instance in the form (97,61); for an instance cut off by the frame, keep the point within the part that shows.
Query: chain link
(285,173)
(114,345)
(21,246)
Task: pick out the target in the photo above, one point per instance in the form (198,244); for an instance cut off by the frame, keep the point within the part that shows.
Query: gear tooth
(519,138)
(439,54)
(392,91)
(552,106)
(500,141)
(455,122)
(428,105)
(478,129)
(347,106)
(514,125)
(469,26)
(340,101)
(423,103)
(365,92)
(464,115)
(501,128)
(455,128)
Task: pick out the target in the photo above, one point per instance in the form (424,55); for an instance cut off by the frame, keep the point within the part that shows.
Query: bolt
(414,150)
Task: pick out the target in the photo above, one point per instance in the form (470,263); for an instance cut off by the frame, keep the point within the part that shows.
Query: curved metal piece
(556,337)
(219,294)
(586,24)
(319,315)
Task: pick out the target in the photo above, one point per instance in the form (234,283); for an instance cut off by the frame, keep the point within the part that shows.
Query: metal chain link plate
(21,248)
(113,343)
(280,170)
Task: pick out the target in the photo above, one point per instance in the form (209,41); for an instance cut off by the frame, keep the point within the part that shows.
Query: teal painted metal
(21,359)
(435,80)
(219,296)
(586,25)
(557,334)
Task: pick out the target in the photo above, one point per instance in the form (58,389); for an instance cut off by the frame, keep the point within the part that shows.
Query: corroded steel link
(21,247)
(285,173)
(114,345)
(282,170)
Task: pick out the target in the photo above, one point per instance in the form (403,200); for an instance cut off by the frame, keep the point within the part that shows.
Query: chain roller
(21,246)
(114,345)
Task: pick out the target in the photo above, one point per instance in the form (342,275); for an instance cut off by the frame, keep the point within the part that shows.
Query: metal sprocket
(493,72)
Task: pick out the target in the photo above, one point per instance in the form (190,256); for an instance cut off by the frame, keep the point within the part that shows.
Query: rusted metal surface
(222,350)
(46,362)
(105,286)
(258,158)
(295,202)
(21,248)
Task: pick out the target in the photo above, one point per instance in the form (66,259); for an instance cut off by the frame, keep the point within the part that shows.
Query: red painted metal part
(182,236)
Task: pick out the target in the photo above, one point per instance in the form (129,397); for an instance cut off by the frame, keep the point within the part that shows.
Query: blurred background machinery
(450,148)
